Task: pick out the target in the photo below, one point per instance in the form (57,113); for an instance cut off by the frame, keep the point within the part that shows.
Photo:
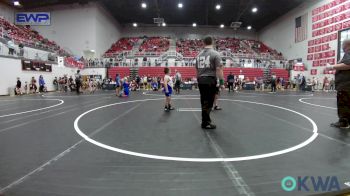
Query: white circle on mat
(29,111)
(321,106)
(188,159)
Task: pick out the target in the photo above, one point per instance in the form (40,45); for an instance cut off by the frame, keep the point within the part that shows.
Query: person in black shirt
(342,85)
(18,87)
(78,82)
(230,81)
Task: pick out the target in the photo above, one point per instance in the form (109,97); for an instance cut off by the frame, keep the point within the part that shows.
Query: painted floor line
(29,111)
(190,159)
(238,182)
(62,154)
(321,106)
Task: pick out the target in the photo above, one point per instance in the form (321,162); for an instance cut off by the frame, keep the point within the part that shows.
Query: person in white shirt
(168,89)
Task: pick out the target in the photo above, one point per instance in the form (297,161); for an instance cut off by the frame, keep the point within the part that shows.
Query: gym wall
(281,33)
(81,27)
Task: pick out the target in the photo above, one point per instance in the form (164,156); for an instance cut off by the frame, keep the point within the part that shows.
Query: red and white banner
(329,71)
(313,71)
(299,67)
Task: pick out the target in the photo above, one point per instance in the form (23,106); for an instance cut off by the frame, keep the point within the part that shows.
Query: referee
(209,69)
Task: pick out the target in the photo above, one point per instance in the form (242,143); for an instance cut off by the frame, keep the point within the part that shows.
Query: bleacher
(281,73)
(155,44)
(190,72)
(123,44)
(189,47)
(122,71)
(28,37)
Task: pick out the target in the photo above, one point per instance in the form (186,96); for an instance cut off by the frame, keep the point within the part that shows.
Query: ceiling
(202,12)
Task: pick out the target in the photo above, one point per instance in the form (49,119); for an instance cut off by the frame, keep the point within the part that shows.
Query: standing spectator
(18,90)
(71,83)
(55,83)
(144,82)
(331,85)
(325,84)
(303,83)
(21,50)
(41,84)
(159,82)
(138,80)
(342,85)
(273,83)
(11,47)
(314,84)
(118,84)
(177,82)
(78,81)
(230,81)
(33,86)
(149,81)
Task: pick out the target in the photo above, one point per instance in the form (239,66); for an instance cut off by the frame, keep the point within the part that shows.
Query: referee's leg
(207,91)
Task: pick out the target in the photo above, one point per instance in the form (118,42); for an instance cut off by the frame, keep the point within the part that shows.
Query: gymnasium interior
(107,134)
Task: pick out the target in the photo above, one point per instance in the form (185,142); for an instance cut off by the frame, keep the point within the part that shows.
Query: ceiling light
(180,5)
(16,3)
(222,26)
(143,5)
(134,24)
(194,24)
(218,6)
(249,27)
(163,24)
(254,10)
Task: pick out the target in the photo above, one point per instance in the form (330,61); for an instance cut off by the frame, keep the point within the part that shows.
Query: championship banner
(313,71)
(329,71)
(299,67)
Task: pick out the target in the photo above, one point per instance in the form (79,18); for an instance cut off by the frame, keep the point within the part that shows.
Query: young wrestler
(168,89)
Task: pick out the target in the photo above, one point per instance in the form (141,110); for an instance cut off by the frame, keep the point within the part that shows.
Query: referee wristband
(221,82)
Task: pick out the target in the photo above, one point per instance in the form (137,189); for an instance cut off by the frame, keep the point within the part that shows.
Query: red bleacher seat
(155,44)
(190,72)
(123,44)
(122,71)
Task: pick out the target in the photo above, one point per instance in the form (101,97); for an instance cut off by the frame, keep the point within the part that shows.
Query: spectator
(178,80)
(332,84)
(78,81)
(41,84)
(71,84)
(33,87)
(21,50)
(230,81)
(18,90)
(55,83)
(11,47)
